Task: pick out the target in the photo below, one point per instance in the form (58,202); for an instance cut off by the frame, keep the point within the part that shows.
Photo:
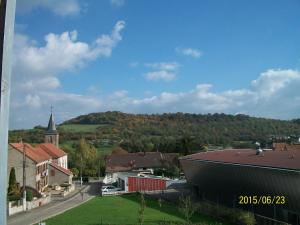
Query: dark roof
(130,161)
(35,154)
(289,159)
(51,129)
(52,150)
(63,170)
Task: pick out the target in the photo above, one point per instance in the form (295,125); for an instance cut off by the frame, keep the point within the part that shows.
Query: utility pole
(81,171)
(24,175)
(7,18)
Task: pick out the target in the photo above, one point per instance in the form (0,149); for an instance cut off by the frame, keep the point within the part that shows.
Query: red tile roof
(289,159)
(35,154)
(66,171)
(130,161)
(52,150)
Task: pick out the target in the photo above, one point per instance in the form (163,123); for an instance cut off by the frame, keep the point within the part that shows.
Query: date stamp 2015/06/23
(262,199)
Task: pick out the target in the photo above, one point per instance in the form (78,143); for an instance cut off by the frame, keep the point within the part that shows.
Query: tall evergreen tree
(13,187)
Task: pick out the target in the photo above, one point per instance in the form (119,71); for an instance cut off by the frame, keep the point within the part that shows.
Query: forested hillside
(169,132)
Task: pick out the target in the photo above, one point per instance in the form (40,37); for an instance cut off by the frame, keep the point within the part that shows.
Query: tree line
(170,132)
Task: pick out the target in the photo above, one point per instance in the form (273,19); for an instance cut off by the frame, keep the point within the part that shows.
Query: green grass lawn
(121,210)
(77,128)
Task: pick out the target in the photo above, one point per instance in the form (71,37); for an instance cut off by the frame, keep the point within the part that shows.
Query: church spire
(51,134)
(51,124)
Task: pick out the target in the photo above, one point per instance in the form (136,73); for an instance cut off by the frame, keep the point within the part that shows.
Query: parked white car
(110,189)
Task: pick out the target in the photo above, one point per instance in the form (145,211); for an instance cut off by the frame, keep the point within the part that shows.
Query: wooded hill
(168,132)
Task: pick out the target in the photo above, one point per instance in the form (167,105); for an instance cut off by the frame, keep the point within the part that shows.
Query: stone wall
(17,207)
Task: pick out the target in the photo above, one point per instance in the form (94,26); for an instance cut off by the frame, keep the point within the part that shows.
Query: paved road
(54,208)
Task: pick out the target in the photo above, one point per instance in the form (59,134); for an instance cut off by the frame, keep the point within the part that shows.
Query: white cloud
(62,52)
(63,8)
(192,52)
(117,3)
(163,75)
(171,66)
(134,64)
(36,70)
(273,94)
(165,71)
(273,81)
(40,84)
(120,94)
(33,101)
(93,90)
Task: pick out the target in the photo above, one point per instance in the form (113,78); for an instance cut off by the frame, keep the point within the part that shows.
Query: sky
(141,56)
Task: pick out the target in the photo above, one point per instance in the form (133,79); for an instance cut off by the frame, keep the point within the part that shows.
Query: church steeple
(51,125)
(51,134)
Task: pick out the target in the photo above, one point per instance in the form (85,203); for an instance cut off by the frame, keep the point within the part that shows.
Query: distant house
(46,164)
(227,177)
(144,162)
(286,147)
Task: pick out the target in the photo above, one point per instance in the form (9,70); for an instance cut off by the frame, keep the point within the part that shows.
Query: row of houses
(45,164)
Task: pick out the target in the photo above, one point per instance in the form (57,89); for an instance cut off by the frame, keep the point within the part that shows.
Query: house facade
(37,165)
(59,175)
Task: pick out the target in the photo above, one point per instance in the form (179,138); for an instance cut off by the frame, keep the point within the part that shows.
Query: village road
(56,207)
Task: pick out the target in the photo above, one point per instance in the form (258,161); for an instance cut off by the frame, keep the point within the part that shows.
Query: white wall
(63,161)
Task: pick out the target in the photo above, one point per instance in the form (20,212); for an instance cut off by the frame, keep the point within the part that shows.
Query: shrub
(234,216)
(141,211)
(246,218)
(187,208)
(12,198)
(29,195)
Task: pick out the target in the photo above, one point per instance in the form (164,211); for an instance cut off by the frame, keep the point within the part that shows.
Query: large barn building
(224,176)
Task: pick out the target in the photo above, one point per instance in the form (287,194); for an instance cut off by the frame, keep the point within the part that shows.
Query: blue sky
(155,56)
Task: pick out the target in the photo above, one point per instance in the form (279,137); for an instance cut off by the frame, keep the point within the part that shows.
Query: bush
(85,179)
(12,198)
(246,218)
(75,172)
(234,216)
(29,195)
(187,207)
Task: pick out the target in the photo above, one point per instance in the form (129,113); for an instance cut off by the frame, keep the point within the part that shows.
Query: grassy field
(78,128)
(106,149)
(121,210)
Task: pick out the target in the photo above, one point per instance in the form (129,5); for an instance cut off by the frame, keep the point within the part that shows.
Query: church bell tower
(51,134)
